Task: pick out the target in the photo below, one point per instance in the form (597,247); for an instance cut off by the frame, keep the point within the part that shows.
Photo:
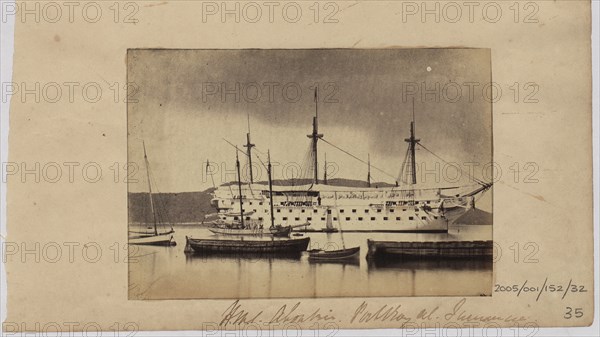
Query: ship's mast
(270,188)
(249,145)
(369,172)
(150,189)
(315,136)
(237,165)
(325,171)
(412,142)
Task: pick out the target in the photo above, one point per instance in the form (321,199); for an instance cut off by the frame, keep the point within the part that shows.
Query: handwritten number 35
(577,313)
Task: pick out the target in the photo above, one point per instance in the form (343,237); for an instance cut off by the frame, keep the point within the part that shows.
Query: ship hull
(430,249)
(356,210)
(209,246)
(154,240)
(430,226)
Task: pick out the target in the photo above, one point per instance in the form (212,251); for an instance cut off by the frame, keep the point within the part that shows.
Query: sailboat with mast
(152,237)
(335,255)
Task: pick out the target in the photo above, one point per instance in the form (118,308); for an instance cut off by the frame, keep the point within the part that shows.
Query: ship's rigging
(308,171)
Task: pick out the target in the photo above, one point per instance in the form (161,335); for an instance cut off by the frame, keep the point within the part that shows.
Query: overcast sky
(362,110)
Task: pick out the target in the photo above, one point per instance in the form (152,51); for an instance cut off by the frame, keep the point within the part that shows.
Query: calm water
(168,273)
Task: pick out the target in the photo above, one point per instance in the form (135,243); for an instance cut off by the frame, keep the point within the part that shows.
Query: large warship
(397,208)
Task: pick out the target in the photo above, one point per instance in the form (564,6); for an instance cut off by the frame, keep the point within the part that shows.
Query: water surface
(169,273)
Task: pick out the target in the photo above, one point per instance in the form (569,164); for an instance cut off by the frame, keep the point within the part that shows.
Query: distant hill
(193,206)
(332,182)
(172,207)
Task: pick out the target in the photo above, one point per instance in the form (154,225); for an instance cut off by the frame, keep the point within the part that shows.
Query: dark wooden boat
(431,249)
(273,246)
(341,254)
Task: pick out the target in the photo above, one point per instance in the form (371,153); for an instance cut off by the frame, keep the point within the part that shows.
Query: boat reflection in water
(247,257)
(421,264)
(353,260)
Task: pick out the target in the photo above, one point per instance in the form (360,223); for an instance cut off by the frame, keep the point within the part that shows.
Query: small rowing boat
(328,255)
(338,254)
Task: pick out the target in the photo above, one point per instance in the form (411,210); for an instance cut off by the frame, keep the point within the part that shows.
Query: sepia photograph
(309,173)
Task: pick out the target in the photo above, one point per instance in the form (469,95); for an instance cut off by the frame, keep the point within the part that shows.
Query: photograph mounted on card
(283,176)
(391,169)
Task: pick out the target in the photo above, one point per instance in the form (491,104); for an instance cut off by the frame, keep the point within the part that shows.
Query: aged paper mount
(189,165)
